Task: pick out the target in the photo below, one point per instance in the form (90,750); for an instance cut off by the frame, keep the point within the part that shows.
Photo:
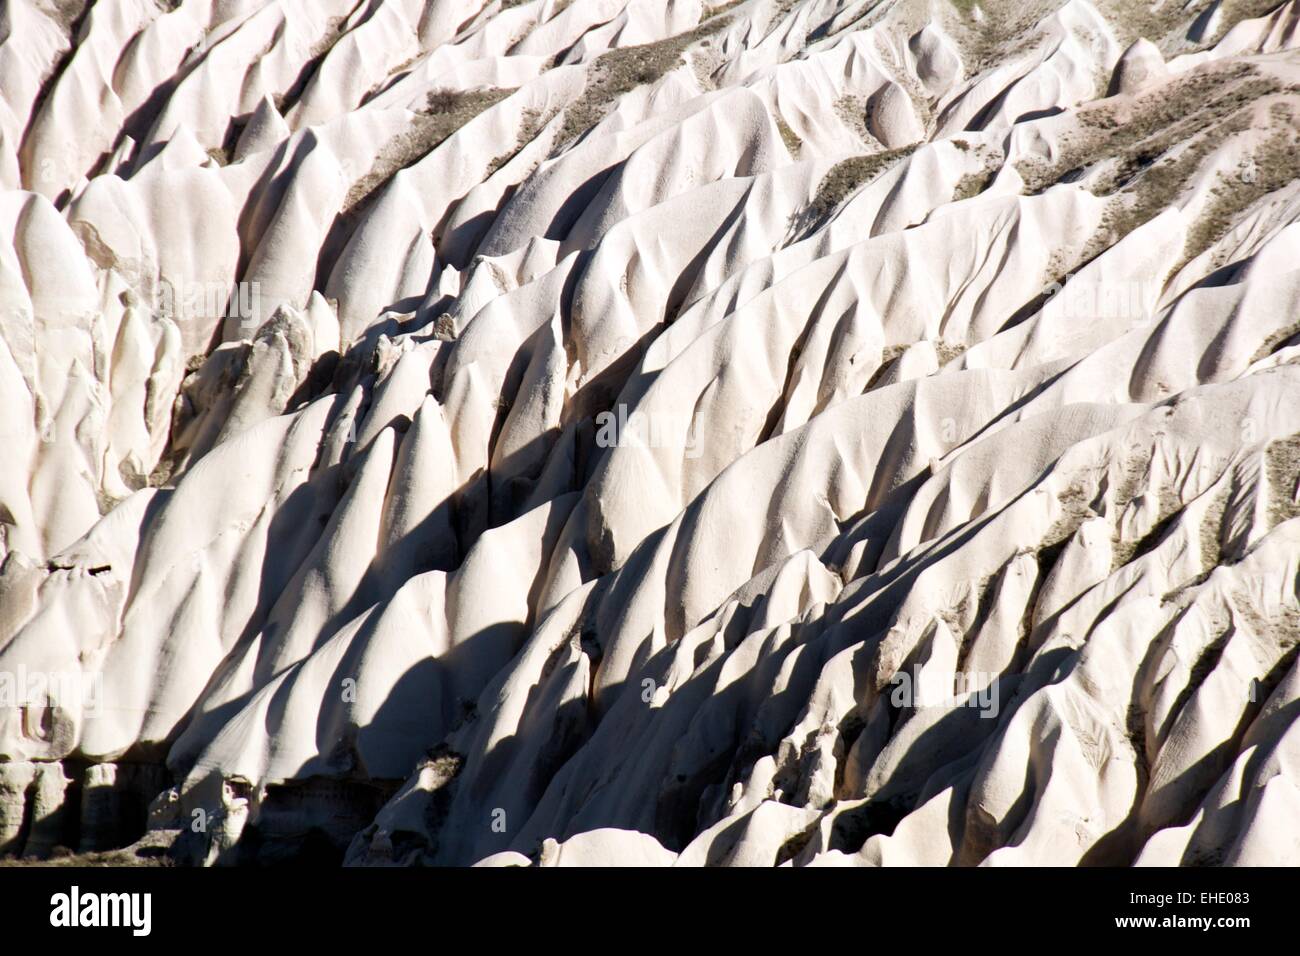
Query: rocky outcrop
(816,432)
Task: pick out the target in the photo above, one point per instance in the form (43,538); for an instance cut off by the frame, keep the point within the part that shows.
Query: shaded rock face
(803,433)
(51,805)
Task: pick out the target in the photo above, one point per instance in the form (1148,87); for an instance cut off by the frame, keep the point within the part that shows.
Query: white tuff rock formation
(584,432)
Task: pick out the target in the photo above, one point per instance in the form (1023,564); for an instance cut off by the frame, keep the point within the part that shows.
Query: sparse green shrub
(845,177)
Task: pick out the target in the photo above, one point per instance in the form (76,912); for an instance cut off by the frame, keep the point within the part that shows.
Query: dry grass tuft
(444,113)
(624,69)
(845,177)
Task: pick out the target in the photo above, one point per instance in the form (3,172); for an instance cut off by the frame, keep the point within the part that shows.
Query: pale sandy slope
(965,526)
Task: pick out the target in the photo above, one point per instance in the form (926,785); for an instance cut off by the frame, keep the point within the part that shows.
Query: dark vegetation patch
(1278,340)
(1282,467)
(788,136)
(1147,154)
(972,184)
(852,111)
(624,69)
(1007,26)
(1075,509)
(845,177)
(151,851)
(1275,163)
(888,355)
(1149,541)
(717,9)
(530,124)
(443,114)
(1211,537)
(1131,19)
(1192,110)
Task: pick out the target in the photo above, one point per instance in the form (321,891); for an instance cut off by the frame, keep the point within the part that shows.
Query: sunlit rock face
(596,432)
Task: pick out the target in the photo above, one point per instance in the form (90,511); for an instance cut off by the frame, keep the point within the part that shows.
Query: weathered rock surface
(808,432)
